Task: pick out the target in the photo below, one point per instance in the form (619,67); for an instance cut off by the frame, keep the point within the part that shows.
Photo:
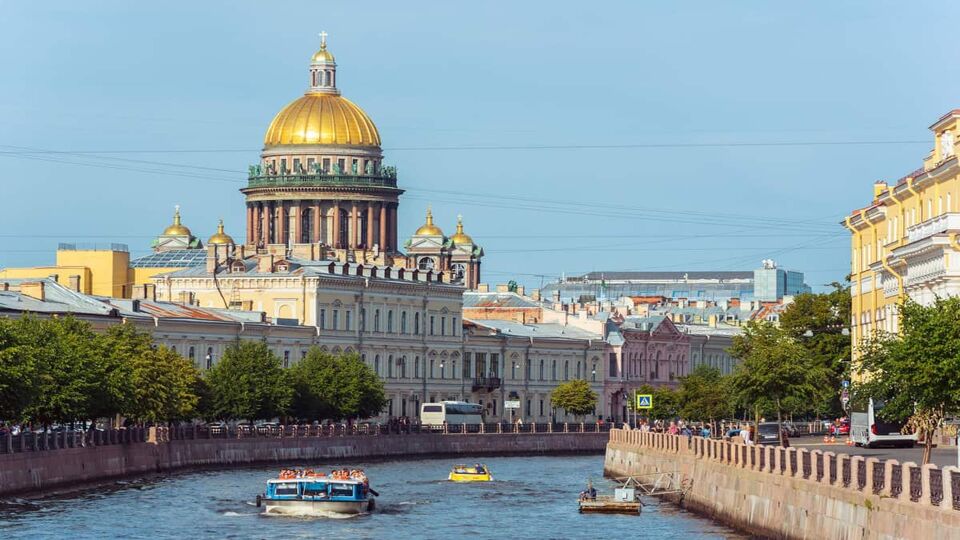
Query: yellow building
(108,270)
(904,243)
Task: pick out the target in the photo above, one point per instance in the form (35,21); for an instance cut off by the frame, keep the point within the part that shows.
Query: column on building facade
(393,226)
(317,218)
(250,228)
(369,240)
(297,218)
(281,236)
(382,240)
(354,228)
(336,224)
(264,223)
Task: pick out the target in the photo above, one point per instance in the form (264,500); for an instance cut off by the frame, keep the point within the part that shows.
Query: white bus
(451,412)
(867,430)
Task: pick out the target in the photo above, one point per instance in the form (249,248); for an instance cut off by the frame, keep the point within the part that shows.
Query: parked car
(843,428)
(768,433)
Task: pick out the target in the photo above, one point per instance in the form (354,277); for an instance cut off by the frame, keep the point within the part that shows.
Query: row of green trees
(59,370)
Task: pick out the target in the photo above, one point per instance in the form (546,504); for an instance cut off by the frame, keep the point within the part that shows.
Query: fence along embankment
(794,493)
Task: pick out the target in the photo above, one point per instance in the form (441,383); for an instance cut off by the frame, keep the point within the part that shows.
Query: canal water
(531,497)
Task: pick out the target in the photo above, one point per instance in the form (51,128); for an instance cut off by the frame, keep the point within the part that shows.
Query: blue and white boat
(306,493)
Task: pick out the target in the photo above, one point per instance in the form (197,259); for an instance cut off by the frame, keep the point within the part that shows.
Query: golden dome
(323,55)
(461,237)
(221,237)
(177,229)
(428,228)
(322,119)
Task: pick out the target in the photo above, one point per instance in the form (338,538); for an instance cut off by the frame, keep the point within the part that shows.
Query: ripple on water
(532,497)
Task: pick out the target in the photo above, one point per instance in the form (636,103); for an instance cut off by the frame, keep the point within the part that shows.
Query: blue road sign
(644,401)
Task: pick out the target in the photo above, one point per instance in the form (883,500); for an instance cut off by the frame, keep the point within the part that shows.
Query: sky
(571,136)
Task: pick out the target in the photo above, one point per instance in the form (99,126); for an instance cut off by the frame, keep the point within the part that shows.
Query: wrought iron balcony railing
(486,383)
(321,179)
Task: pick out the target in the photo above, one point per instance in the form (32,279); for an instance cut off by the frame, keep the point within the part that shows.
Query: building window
(342,164)
(323,319)
(613,364)
(376,320)
(541,407)
(431,368)
(431,325)
(403,367)
(192,354)
(390,321)
(541,375)
(416,323)
(416,367)
(553,371)
(453,326)
(513,370)
(403,322)
(347,319)
(326,165)
(390,366)
(363,319)
(566,370)
(593,373)
(578,370)
(336,319)
(303,354)
(209,357)
(443,326)
(376,365)
(529,408)
(286,359)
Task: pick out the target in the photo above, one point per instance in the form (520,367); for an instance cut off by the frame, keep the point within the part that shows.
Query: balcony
(385,178)
(932,226)
(486,383)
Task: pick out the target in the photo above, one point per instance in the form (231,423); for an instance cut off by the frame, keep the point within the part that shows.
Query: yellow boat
(476,473)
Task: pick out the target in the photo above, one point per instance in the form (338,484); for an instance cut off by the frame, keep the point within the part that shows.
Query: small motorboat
(307,493)
(475,473)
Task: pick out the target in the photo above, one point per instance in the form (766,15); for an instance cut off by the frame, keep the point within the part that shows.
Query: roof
(677,276)
(171,310)
(174,258)
(497,300)
(57,299)
(535,330)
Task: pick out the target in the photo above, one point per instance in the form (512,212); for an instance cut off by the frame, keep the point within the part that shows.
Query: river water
(531,497)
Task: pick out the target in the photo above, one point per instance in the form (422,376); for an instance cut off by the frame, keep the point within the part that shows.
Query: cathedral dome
(428,228)
(220,237)
(319,118)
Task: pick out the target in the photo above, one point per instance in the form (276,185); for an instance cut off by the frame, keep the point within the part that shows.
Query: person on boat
(479,468)
(592,493)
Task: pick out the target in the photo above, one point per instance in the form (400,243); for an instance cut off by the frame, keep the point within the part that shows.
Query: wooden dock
(607,505)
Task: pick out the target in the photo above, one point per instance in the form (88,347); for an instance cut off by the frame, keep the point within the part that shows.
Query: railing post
(947,479)
(856,465)
(499,427)
(566,427)
(840,459)
(871,464)
(802,454)
(483,427)
(925,497)
(888,467)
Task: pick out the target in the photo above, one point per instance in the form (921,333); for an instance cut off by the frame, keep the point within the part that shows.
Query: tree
(704,395)
(574,397)
(774,370)
(162,387)
(916,374)
(19,374)
(248,383)
(335,387)
(817,322)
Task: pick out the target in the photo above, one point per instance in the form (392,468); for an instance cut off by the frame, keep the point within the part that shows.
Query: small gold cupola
(220,238)
(177,228)
(428,228)
(461,238)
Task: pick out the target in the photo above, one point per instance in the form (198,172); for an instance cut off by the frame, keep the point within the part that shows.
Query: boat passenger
(479,468)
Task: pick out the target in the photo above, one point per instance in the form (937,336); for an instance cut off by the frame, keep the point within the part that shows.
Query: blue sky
(664,83)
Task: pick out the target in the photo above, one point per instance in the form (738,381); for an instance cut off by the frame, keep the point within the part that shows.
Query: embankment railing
(62,439)
(926,485)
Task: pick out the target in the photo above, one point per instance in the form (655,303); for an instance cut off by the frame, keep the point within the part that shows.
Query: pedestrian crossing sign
(644,401)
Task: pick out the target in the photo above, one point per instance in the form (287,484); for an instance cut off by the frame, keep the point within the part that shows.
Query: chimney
(556,296)
(502,287)
(535,294)
(74,283)
(33,289)
(265,264)
(147,291)
(712,321)
(879,188)
(483,287)
(520,291)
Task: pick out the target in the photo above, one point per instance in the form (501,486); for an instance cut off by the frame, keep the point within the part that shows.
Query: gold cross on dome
(323,40)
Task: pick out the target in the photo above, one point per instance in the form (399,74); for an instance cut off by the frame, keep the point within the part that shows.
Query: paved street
(942,456)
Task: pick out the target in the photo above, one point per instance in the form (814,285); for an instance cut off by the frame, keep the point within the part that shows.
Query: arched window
(390,321)
(416,324)
(390,366)
(578,370)
(593,373)
(403,322)
(363,319)
(376,320)
(431,368)
(192,355)
(541,371)
(376,365)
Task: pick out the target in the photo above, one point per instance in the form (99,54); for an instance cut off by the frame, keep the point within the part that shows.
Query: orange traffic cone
(833,439)
(849,442)
(826,439)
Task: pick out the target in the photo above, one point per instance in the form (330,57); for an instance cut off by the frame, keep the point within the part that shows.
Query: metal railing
(309,180)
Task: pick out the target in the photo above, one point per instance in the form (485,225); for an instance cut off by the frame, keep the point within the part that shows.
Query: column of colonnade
(367,223)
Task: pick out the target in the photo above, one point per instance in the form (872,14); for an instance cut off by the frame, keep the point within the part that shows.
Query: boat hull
(317,508)
(468,477)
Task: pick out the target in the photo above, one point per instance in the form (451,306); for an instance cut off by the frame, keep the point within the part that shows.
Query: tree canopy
(704,395)
(574,397)
(248,383)
(916,373)
(335,387)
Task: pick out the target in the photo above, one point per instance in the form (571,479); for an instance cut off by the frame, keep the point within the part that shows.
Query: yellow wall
(63,274)
(109,269)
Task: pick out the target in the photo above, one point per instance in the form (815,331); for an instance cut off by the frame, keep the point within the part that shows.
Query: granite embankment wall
(35,472)
(790,493)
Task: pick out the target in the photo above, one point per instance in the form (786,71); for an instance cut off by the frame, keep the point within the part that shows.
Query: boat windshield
(314,488)
(341,490)
(287,488)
